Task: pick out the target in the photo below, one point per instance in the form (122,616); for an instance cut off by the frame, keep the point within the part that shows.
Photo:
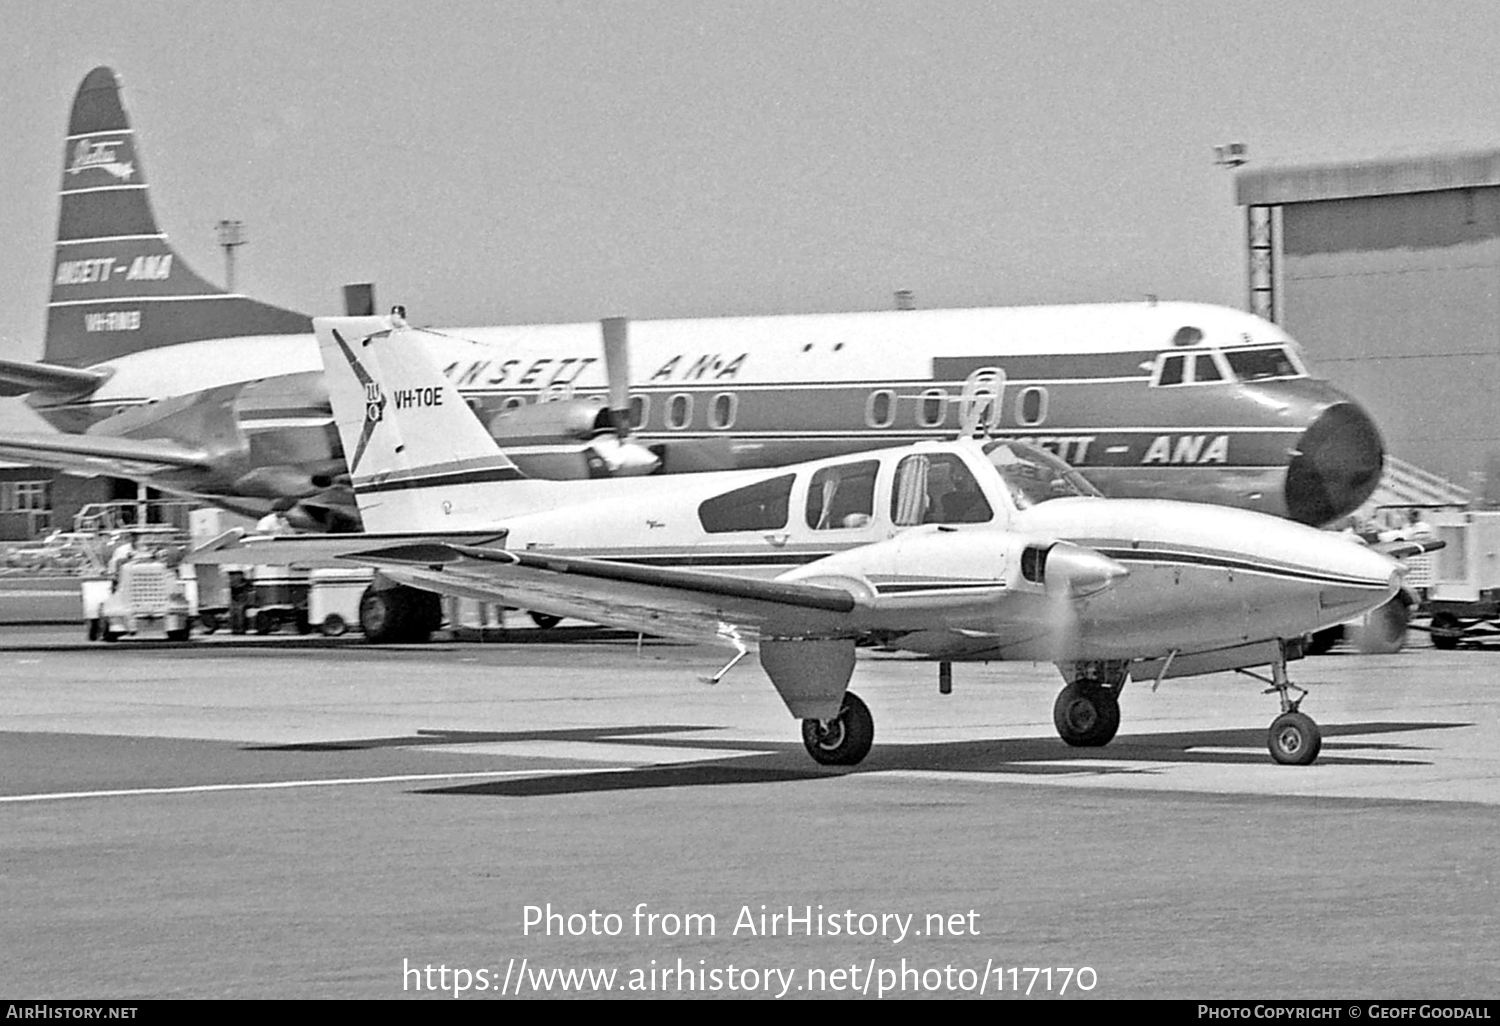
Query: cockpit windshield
(1260,364)
(1034,476)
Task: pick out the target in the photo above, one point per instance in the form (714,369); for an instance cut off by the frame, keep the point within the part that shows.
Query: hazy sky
(489,162)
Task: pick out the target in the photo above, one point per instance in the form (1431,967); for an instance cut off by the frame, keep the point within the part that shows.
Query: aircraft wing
(19,378)
(689,605)
(99,454)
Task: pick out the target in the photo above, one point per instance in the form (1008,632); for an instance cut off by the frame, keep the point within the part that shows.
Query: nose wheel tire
(844,741)
(1086,717)
(1294,739)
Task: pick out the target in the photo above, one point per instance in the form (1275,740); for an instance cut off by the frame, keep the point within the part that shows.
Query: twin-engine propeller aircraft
(957,551)
(162,376)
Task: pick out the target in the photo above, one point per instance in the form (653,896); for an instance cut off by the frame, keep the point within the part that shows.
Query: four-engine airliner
(152,372)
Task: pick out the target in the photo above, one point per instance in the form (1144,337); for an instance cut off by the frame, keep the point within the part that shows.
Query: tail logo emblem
(101,155)
(374,397)
(374,402)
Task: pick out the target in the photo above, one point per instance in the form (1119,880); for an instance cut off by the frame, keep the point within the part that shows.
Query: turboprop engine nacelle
(568,438)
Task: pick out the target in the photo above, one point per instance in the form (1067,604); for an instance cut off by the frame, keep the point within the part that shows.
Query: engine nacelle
(566,420)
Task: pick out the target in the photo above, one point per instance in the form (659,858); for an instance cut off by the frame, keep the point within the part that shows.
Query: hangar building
(1388,272)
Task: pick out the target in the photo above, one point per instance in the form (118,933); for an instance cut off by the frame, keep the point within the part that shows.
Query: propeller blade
(616,332)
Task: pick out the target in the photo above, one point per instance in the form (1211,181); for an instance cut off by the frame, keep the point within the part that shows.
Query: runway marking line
(272,785)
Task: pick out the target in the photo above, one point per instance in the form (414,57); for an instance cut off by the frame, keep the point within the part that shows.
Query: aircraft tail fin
(118,287)
(419,459)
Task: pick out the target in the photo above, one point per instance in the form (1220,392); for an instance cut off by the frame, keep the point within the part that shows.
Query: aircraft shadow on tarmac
(788,761)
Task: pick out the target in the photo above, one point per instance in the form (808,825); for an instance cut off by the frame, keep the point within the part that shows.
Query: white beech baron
(980,549)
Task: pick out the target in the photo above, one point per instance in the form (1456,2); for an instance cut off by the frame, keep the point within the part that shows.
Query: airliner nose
(1336,467)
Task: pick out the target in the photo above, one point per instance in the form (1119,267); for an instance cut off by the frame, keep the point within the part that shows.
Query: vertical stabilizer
(419,459)
(117,285)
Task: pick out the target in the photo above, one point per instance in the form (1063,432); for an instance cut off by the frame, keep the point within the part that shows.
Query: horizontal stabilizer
(1405,548)
(18,378)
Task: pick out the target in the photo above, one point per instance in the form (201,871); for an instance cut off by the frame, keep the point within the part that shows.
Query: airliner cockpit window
(1033,476)
(1261,364)
(1172,370)
(762,506)
(842,497)
(937,488)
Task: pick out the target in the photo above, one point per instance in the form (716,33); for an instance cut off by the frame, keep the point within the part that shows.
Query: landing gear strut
(1087,711)
(1294,739)
(843,741)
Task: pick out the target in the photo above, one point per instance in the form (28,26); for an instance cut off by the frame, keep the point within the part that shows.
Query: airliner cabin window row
(640,409)
(842,497)
(880,408)
(763,506)
(679,411)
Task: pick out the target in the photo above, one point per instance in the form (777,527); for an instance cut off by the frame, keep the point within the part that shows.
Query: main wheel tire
(1294,739)
(1446,630)
(1086,717)
(381,615)
(546,621)
(399,615)
(844,741)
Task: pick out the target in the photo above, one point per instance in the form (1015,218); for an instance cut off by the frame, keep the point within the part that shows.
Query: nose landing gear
(1087,711)
(1294,738)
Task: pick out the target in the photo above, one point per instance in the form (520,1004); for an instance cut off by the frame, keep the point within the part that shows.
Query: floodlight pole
(231,234)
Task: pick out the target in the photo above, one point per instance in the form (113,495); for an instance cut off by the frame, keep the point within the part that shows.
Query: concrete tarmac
(265,818)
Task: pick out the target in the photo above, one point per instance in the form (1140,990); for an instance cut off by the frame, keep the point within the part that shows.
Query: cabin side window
(679,411)
(762,506)
(880,408)
(842,497)
(932,408)
(1031,406)
(937,489)
(640,409)
(721,414)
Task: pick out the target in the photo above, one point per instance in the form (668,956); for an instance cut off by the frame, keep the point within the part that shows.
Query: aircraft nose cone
(1080,571)
(1337,466)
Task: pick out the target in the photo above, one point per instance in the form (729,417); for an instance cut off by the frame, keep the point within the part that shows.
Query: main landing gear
(1294,739)
(843,741)
(1087,711)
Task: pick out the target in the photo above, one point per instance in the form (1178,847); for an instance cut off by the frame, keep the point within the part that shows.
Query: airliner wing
(91,455)
(19,378)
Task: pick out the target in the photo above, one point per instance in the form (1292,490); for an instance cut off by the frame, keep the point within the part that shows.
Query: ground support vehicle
(1463,596)
(145,599)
